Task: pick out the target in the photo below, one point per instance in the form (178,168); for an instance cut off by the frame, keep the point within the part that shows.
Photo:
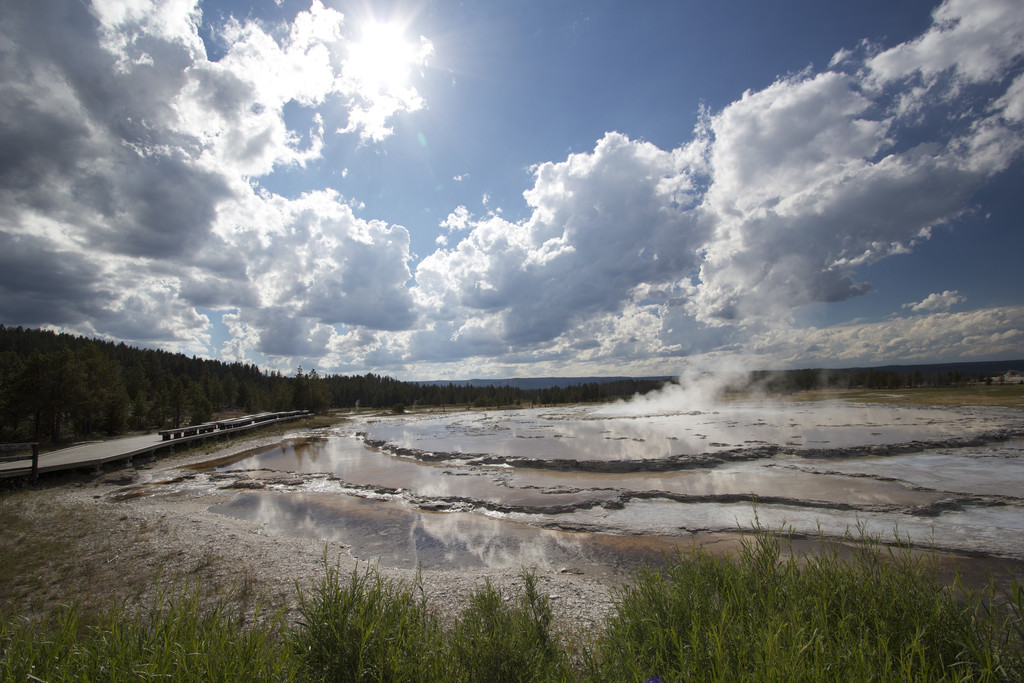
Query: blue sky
(493,189)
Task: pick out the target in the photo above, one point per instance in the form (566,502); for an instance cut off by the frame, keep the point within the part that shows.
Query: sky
(513,188)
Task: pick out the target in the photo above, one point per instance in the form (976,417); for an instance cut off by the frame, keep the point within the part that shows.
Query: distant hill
(533,383)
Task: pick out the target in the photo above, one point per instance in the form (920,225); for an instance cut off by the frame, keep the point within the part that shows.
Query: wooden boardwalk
(94,455)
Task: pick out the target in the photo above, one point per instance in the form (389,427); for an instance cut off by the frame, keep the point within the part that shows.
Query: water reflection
(986,471)
(406,538)
(983,530)
(401,502)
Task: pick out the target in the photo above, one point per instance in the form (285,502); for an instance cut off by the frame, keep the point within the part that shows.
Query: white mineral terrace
(549,487)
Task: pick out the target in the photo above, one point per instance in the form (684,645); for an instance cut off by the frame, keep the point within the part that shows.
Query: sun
(383,59)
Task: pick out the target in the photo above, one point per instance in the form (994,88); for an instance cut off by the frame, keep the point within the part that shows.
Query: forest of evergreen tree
(57,386)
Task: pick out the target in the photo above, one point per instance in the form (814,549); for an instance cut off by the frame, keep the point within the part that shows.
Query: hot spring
(586,485)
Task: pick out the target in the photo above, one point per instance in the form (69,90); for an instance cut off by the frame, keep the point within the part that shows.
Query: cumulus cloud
(781,200)
(602,223)
(937,301)
(311,264)
(457,219)
(127,200)
(809,186)
(131,167)
(977,41)
(234,108)
(962,336)
(77,144)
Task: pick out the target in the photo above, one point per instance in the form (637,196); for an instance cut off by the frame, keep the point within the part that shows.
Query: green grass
(880,615)
(369,629)
(177,640)
(497,641)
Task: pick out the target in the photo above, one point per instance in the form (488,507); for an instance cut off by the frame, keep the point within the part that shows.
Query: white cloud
(964,336)
(809,182)
(780,201)
(776,144)
(143,212)
(457,220)
(601,224)
(129,166)
(976,39)
(312,264)
(938,301)
(126,24)
(152,312)
(1011,104)
(808,187)
(234,108)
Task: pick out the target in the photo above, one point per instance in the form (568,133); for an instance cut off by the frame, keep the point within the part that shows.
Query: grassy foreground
(881,615)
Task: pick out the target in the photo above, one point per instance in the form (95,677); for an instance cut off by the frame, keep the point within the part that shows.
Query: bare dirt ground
(77,538)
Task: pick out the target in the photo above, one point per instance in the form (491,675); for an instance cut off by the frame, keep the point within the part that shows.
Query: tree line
(791,381)
(56,386)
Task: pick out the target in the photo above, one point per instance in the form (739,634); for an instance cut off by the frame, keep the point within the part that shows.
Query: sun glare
(383,59)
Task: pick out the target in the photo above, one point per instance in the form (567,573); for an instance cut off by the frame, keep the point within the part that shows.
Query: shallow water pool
(547,486)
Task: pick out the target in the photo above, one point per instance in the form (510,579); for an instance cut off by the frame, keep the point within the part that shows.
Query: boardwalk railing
(228,424)
(95,454)
(32,446)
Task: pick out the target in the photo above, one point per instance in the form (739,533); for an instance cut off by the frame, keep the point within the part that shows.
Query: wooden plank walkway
(94,455)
